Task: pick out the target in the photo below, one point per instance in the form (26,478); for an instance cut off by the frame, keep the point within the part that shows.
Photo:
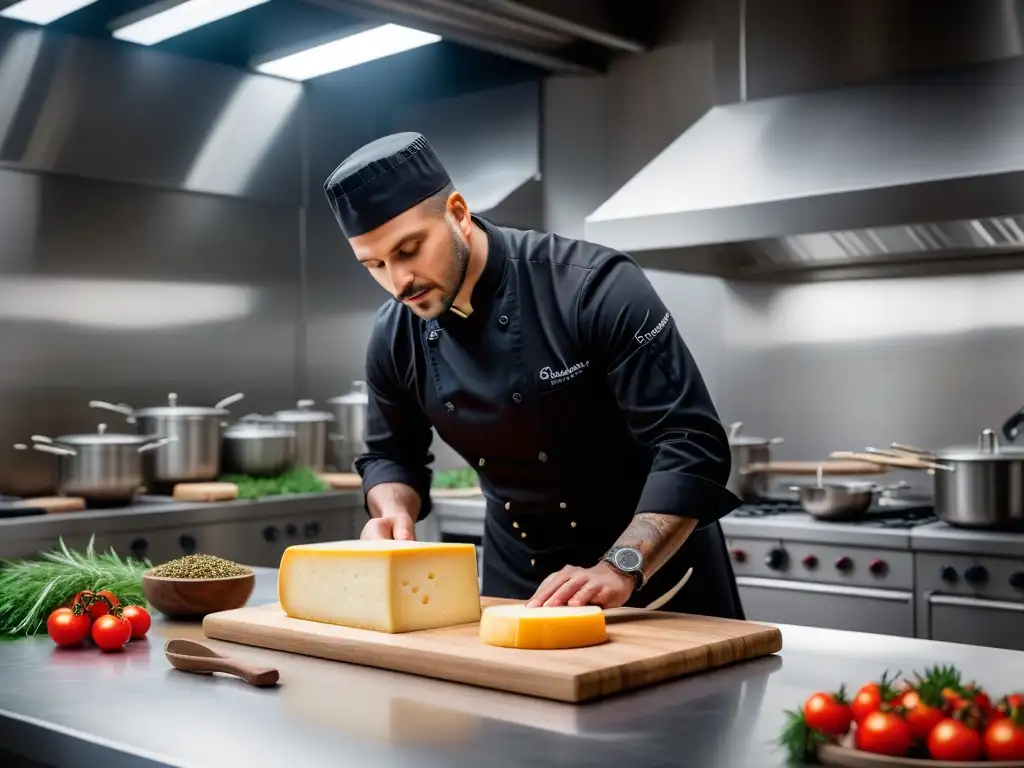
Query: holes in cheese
(388,586)
(542,628)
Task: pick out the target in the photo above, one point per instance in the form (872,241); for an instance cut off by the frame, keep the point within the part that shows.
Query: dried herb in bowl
(199,566)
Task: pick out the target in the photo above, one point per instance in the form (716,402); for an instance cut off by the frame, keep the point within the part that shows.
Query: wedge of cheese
(542,628)
(388,586)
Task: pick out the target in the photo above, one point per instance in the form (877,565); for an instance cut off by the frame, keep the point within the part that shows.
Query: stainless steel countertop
(173,513)
(79,709)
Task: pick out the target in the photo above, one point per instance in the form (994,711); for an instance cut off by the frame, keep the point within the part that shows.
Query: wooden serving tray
(648,648)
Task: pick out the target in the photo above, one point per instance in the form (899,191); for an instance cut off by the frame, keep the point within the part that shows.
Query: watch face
(628,559)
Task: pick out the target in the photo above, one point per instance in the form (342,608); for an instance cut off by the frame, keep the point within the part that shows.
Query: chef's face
(421,256)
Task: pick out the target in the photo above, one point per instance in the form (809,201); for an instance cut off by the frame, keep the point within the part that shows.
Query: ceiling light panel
(350,51)
(170,20)
(43,11)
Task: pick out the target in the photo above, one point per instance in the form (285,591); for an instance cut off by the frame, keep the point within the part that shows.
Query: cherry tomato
(884,733)
(1004,740)
(920,716)
(955,741)
(97,608)
(1007,705)
(66,628)
(871,697)
(111,633)
(139,618)
(828,713)
(979,698)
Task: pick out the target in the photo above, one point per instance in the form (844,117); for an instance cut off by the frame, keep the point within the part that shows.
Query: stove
(890,513)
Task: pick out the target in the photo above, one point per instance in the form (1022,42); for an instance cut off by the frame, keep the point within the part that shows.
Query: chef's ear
(459,211)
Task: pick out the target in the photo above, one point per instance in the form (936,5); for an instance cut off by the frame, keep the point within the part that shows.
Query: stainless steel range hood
(919,168)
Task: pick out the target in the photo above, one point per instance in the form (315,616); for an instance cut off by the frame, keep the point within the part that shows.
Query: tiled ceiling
(564,36)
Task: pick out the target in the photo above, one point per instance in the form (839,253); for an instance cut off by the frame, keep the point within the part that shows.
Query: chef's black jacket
(570,391)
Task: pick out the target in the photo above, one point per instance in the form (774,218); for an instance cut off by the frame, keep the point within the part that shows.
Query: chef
(555,370)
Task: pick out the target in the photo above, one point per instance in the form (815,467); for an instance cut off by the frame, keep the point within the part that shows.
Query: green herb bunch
(32,589)
(295,480)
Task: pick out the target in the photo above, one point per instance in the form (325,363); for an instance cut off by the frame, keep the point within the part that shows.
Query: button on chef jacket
(570,391)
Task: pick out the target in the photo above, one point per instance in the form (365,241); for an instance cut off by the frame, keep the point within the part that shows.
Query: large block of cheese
(543,628)
(388,586)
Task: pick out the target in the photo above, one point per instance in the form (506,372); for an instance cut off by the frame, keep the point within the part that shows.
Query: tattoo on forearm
(658,537)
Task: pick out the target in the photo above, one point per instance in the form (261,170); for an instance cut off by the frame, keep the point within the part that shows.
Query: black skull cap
(383,179)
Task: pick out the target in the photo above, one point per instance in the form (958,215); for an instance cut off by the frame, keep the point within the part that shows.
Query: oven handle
(826,589)
(970,602)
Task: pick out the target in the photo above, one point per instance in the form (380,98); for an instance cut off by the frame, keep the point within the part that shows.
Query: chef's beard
(458,267)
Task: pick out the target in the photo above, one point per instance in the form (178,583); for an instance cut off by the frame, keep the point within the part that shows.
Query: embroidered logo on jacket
(547,373)
(645,337)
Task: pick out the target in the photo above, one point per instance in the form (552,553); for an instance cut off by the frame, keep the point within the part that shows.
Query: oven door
(989,623)
(829,606)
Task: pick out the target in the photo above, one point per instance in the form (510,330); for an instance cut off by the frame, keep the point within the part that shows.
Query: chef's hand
(399,527)
(601,585)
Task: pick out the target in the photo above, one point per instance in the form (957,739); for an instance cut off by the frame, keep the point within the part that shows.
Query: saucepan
(835,501)
(747,450)
(103,467)
(196,454)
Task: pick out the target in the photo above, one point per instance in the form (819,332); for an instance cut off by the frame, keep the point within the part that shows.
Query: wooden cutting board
(646,648)
(53,504)
(828,467)
(342,480)
(203,492)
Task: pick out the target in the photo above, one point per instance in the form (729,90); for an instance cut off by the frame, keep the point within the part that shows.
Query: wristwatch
(627,560)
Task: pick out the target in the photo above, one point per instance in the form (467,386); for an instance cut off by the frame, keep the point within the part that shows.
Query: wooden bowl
(194,598)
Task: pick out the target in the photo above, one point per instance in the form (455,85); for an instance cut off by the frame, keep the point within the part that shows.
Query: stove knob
(948,574)
(1017,580)
(187,544)
(311,530)
(739,555)
(776,558)
(292,530)
(270,533)
(976,574)
(878,567)
(844,563)
(810,561)
(139,548)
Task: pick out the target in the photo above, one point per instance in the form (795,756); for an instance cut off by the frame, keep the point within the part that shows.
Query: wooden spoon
(190,656)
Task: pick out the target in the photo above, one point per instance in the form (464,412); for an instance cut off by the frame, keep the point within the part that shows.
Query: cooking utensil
(311,434)
(350,422)
(196,454)
(985,488)
(102,467)
(258,448)
(901,462)
(835,501)
(746,450)
(833,467)
(190,656)
(659,647)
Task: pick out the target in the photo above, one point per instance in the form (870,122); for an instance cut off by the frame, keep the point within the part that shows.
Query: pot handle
(1011,427)
(48,449)
(124,410)
(229,400)
(158,443)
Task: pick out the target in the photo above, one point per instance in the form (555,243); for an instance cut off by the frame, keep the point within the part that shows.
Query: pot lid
(173,409)
(102,437)
(738,440)
(358,396)
(303,413)
(988,448)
